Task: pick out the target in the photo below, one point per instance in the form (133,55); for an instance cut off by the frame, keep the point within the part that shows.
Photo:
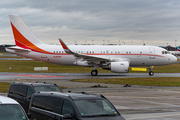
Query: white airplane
(116,58)
(175,52)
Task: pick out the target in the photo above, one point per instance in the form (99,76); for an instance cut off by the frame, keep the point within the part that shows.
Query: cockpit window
(165,52)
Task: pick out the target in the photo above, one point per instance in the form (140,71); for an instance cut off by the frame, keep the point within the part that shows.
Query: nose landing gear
(151,73)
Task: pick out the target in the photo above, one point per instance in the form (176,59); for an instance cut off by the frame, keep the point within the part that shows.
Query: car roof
(34,84)
(6,100)
(73,96)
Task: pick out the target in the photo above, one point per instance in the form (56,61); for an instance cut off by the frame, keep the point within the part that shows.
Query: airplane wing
(90,58)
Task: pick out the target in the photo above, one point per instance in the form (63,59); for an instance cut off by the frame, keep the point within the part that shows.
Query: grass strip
(28,66)
(163,81)
(4,87)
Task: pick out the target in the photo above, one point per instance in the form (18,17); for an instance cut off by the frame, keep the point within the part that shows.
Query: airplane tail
(23,35)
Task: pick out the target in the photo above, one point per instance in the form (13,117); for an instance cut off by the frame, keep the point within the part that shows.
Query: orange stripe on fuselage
(24,42)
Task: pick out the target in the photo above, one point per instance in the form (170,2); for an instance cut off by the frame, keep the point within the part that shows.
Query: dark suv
(71,106)
(22,91)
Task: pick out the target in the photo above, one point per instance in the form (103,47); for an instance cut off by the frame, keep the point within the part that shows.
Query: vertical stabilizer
(23,35)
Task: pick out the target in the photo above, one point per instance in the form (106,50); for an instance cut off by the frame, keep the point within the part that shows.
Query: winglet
(66,49)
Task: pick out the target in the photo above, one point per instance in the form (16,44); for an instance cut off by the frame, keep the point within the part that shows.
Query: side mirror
(67,116)
(29,115)
(29,97)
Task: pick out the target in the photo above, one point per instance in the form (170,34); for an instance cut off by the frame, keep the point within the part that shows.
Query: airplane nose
(173,59)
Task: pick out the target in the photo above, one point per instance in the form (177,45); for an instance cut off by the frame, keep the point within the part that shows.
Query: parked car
(11,110)
(71,106)
(22,91)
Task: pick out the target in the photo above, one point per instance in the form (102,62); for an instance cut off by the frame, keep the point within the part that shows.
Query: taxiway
(134,103)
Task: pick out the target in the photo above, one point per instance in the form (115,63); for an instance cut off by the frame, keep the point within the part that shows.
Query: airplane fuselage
(136,55)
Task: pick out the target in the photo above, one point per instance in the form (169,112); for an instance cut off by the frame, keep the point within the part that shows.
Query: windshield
(166,52)
(11,112)
(47,88)
(95,108)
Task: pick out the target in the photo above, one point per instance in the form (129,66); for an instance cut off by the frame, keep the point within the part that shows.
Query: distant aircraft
(116,58)
(175,52)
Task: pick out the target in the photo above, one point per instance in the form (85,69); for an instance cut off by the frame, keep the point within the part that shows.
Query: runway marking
(153,116)
(36,76)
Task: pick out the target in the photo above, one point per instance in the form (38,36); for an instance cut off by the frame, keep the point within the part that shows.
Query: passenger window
(22,90)
(29,91)
(39,102)
(54,105)
(13,89)
(67,108)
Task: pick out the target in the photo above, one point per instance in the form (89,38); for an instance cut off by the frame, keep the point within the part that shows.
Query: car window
(95,107)
(54,104)
(11,112)
(47,88)
(29,91)
(67,108)
(13,89)
(22,90)
(39,102)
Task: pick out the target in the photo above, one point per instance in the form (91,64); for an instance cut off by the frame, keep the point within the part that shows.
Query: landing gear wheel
(94,72)
(151,73)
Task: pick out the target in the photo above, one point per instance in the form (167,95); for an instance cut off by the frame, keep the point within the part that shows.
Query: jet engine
(118,67)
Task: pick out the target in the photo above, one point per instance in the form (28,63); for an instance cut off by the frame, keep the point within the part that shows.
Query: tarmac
(134,103)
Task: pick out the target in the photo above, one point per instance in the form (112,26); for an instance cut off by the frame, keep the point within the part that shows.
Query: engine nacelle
(118,67)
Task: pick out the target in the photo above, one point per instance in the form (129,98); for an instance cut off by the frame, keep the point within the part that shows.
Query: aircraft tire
(151,73)
(94,72)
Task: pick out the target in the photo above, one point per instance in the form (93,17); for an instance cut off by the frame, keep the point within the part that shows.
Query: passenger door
(151,53)
(38,107)
(67,108)
(21,97)
(53,108)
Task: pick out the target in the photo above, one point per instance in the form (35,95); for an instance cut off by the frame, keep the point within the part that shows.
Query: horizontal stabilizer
(18,48)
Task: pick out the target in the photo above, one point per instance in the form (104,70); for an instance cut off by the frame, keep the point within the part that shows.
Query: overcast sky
(154,22)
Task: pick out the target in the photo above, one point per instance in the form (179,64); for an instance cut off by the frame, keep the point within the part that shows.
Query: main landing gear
(94,72)
(151,73)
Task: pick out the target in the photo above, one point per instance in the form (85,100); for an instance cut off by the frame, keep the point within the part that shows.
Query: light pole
(175,45)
